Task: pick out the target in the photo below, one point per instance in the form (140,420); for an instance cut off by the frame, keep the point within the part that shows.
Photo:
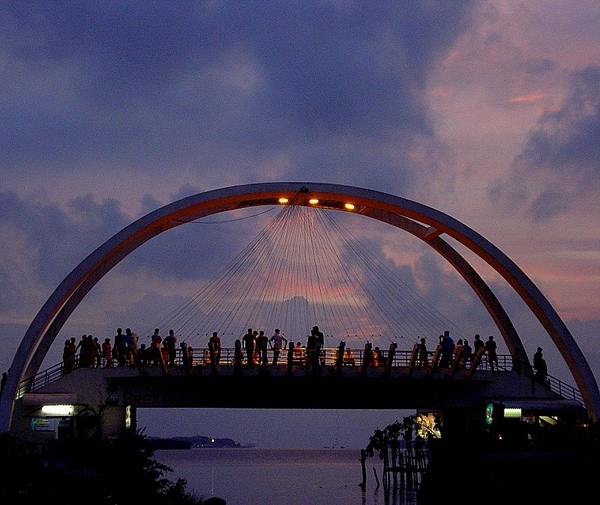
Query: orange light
(313,201)
(349,206)
(283,200)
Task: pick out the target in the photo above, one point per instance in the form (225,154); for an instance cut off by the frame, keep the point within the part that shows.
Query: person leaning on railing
(541,368)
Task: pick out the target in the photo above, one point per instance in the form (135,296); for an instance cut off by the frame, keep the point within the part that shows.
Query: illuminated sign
(58,410)
(489,413)
(512,412)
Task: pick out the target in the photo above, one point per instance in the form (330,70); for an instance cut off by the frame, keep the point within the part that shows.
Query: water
(253,476)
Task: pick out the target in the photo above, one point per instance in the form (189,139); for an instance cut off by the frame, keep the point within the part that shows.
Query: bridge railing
(328,357)
(563,389)
(42,379)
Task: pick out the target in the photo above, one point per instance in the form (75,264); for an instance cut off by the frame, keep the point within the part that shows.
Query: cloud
(159,278)
(323,87)
(51,236)
(114,109)
(566,140)
(531,98)
(559,164)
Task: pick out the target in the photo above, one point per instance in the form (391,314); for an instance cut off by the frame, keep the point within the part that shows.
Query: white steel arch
(424,222)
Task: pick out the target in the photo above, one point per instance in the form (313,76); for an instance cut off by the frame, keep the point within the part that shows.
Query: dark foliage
(77,471)
(561,466)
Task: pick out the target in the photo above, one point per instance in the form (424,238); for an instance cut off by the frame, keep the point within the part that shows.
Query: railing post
(476,361)
(414,356)
(290,358)
(435,360)
(366,357)
(390,358)
(457,362)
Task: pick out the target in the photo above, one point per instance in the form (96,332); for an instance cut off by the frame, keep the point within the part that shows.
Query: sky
(488,111)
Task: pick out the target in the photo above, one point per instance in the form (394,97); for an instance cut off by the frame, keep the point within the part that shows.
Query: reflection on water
(254,476)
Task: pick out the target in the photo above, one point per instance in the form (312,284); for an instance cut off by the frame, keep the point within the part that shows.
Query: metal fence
(328,357)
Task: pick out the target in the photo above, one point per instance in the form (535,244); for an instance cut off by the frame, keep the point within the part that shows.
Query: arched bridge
(425,223)
(327,378)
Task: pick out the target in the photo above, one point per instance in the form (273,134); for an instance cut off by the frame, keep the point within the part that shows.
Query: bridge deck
(359,382)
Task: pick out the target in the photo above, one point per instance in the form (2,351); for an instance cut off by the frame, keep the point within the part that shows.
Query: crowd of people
(255,344)
(462,355)
(123,350)
(252,349)
(456,355)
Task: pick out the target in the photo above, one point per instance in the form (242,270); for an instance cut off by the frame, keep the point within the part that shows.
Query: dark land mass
(194,442)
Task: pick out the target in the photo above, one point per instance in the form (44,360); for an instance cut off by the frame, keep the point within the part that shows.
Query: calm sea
(252,476)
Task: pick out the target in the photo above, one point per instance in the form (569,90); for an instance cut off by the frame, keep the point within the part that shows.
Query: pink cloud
(529,98)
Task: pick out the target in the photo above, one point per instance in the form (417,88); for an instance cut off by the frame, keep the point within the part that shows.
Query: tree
(75,471)
(400,446)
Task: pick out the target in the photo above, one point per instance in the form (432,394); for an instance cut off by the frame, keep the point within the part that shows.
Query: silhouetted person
(447,350)
(170,343)
(69,356)
(467,353)
(459,359)
(86,351)
(490,349)
(142,356)
(278,342)
(262,344)
(542,373)
(238,356)
(214,345)
(478,344)
(96,352)
(107,353)
(311,344)
(155,345)
(537,357)
(248,341)
(319,334)
(164,352)
(377,357)
(541,369)
(119,343)
(131,346)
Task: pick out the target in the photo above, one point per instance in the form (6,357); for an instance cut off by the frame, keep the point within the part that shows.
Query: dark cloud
(143,85)
(567,139)
(202,95)
(55,239)
(548,204)
(537,66)
(560,160)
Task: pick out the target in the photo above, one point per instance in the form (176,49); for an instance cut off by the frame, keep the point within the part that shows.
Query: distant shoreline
(195,442)
(320,450)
